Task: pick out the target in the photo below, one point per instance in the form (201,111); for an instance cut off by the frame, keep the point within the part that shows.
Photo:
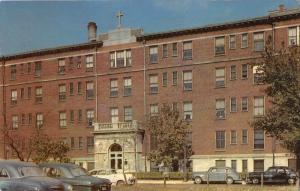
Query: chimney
(92,31)
(281,8)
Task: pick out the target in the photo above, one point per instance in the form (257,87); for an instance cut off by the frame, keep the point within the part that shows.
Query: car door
(215,175)
(270,175)
(281,175)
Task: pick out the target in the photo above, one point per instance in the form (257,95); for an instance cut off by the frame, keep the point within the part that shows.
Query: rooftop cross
(119,16)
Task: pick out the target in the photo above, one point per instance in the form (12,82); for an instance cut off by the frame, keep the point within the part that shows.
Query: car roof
(16,163)
(56,164)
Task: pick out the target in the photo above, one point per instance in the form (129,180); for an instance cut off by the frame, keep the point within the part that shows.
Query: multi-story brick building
(117,79)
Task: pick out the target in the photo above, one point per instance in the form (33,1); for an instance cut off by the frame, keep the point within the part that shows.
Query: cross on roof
(119,16)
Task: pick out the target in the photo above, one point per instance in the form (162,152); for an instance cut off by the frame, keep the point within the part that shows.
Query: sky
(32,25)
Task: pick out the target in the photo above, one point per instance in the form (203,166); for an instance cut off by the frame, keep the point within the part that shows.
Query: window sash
(233,137)
(232,41)
(233,74)
(259,139)
(188,110)
(220,139)
(233,105)
(127,113)
(244,42)
(153,109)
(292,36)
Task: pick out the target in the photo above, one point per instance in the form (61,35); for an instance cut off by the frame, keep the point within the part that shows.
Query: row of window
(62,89)
(73,62)
(258,165)
(258,138)
(24,119)
(78,143)
(127,87)
(187,46)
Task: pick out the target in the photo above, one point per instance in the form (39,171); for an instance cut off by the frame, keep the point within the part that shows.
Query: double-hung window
(259,41)
(113,88)
(187,80)
(62,92)
(89,62)
(153,78)
(153,110)
(220,108)
(127,86)
(220,140)
(62,119)
(188,111)
(61,66)
(259,139)
(292,38)
(89,90)
(187,50)
(220,45)
(14,97)
(244,40)
(39,120)
(259,106)
(127,113)
(220,77)
(153,50)
(232,42)
(38,94)
(90,115)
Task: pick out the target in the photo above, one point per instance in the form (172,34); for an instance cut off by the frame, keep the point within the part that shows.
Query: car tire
(229,180)
(255,181)
(120,182)
(197,180)
(291,181)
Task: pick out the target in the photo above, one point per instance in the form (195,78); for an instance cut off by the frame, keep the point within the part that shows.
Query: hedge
(160,175)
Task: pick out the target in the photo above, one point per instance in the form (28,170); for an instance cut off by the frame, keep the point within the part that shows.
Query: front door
(116,157)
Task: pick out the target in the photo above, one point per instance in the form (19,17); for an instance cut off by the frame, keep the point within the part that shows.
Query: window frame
(217,78)
(247,40)
(220,139)
(187,54)
(187,83)
(259,40)
(230,42)
(217,52)
(187,112)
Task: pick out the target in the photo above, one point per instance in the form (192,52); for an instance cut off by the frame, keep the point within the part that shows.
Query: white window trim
(236,137)
(264,141)
(247,137)
(242,40)
(220,149)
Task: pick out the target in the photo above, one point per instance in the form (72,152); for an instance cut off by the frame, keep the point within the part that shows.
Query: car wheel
(198,180)
(255,181)
(229,180)
(120,182)
(291,181)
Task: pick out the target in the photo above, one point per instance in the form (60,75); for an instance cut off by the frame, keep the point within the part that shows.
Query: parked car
(115,177)
(276,174)
(216,174)
(21,176)
(76,176)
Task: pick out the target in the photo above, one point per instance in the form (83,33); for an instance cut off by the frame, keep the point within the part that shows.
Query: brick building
(96,95)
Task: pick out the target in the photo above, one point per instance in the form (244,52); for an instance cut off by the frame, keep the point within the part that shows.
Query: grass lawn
(215,187)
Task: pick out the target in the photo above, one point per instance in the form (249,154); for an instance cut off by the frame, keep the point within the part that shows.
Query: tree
(39,147)
(280,69)
(168,136)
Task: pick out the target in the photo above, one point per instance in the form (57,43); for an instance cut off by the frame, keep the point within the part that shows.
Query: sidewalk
(162,182)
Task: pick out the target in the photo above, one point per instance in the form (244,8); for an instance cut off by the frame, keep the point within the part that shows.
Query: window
(90,115)
(79,87)
(28,68)
(164,50)
(174,49)
(61,66)
(233,104)
(22,93)
(259,106)
(233,137)
(80,142)
(29,92)
(39,120)
(78,62)
(220,77)
(90,144)
(174,78)
(244,104)
(258,165)
(29,118)
(165,79)
(38,94)
(120,59)
(232,42)
(220,139)
(22,69)
(292,38)
(38,69)
(15,122)
(259,42)
(219,163)
(127,86)
(153,110)
(244,40)
(113,88)
(89,90)
(187,50)
(220,108)
(244,165)
(220,45)
(23,119)
(174,106)
(71,88)
(244,136)
(127,113)
(62,119)
(153,54)
(71,63)
(187,110)
(89,62)
(187,80)
(72,116)
(233,75)
(14,97)
(258,75)
(244,71)
(114,115)
(259,140)
(153,84)
(79,115)
(62,92)
(13,72)
(72,143)
(233,164)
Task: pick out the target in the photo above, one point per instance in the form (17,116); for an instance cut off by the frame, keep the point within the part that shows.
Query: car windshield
(31,171)
(76,171)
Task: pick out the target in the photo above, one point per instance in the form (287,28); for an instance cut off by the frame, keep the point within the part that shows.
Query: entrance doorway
(116,156)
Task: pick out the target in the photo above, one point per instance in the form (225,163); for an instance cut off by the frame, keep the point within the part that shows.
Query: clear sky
(31,25)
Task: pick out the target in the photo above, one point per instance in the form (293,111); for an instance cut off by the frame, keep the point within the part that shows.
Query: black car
(20,176)
(76,176)
(275,174)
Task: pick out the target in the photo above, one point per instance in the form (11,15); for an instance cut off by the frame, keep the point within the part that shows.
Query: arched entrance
(116,156)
